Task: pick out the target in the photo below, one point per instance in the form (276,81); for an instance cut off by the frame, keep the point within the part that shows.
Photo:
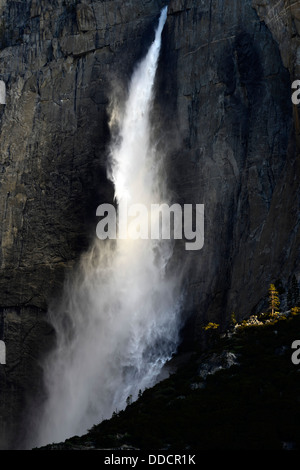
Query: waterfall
(118,321)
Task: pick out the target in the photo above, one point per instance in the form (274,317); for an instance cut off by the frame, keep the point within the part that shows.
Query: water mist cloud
(119,318)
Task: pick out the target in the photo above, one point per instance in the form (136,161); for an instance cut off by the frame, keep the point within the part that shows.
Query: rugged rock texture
(58,60)
(224,89)
(238,397)
(58,63)
(27,337)
(283,20)
(230,96)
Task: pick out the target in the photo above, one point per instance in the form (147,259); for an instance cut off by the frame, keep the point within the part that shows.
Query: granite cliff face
(58,60)
(283,20)
(227,126)
(237,150)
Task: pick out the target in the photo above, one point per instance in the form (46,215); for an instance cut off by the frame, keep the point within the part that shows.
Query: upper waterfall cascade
(118,321)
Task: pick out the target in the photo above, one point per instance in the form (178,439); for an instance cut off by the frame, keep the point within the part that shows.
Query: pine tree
(289,299)
(293,295)
(129,400)
(295,291)
(273,299)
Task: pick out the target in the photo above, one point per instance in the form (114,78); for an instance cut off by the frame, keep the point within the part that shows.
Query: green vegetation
(250,402)
(293,295)
(251,405)
(274,301)
(211,326)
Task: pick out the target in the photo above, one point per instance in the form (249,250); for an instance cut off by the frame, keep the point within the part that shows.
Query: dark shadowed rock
(224,119)
(230,96)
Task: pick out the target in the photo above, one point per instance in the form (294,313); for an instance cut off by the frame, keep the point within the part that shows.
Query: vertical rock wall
(225,121)
(60,61)
(229,90)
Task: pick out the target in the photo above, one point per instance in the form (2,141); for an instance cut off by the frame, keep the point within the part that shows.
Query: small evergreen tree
(295,291)
(129,400)
(233,319)
(289,299)
(274,301)
(293,295)
(211,330)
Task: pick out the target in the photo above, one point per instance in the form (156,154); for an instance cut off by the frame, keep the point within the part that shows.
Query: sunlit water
(118,322)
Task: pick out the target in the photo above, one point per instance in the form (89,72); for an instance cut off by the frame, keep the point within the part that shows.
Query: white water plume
(118,322)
